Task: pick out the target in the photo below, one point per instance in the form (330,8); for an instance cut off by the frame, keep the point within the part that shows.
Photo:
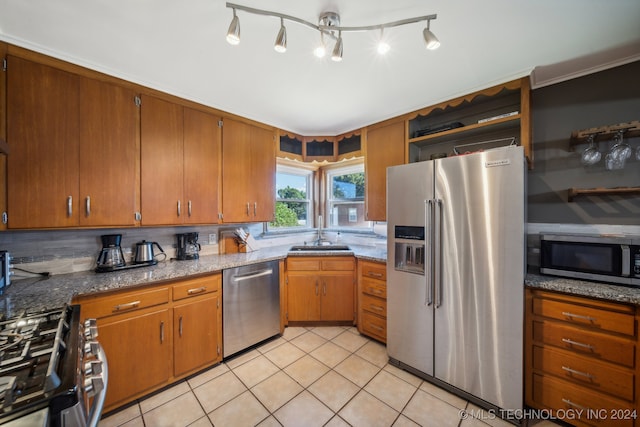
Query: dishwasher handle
(250,276)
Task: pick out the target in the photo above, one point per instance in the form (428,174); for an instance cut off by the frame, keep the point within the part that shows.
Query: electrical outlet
(213,238)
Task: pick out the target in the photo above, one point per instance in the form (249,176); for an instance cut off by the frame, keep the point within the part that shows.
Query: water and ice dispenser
(409,248)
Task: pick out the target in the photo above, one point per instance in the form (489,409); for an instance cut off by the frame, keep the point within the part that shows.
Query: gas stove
(52,370)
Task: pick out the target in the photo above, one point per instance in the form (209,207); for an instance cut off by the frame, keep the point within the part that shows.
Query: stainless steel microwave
(603,258)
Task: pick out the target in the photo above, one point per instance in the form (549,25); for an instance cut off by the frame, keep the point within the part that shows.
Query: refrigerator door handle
(437,258)
(428,218)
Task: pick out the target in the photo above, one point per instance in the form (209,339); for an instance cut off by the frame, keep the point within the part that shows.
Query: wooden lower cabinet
(581,358)
(138,350)
(156,335)
(372,299)
(320,289)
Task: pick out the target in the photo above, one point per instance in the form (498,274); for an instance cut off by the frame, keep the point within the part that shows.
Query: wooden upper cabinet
(384,148)
(263,170)
(43,136)
(108,154)
(202,145)
(180,164)
(161,170)
(248,172)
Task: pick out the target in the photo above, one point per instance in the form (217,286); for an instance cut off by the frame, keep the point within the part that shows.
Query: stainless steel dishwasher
(250,305)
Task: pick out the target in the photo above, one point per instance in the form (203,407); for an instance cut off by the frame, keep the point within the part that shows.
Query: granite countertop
(615,293)
(40,294)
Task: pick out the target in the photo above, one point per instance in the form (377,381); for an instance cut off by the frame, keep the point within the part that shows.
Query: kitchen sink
(310,248)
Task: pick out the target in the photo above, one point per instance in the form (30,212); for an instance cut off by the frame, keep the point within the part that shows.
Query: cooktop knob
(93,385)
(93,367)
(91,329)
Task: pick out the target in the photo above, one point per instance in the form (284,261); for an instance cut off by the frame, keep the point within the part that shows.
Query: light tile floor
(320,376)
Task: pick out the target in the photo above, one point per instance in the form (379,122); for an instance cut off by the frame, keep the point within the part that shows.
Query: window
(293,198)
(345,197)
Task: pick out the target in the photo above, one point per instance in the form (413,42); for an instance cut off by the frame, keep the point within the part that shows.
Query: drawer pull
(375,291)
(573,371)
(377,328)
(197,290)
(575,405)
(579,316)
(376,308)
(127,306)
(374,274)
(576,343)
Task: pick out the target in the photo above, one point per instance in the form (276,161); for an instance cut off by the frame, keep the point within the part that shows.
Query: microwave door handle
(626,260)
(428,217)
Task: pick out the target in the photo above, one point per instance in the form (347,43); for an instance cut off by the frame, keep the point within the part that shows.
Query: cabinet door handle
(180,326)
(573,371)
(248,212)
(575,405)
(126,306)
(88,205)
(196,290)
(189,207)
(324,288)
(69,205)
(255,208)
(161,332)
(578,316)
(316,287)
(179,208)
(576,343)
(374,274)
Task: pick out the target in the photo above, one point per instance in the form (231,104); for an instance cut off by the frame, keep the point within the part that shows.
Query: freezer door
(409,316)
(480,274)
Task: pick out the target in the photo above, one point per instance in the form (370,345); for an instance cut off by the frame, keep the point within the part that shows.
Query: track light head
(383,46)
(336,56)
(233,34)
(281,39)
(430,40)
(321,50)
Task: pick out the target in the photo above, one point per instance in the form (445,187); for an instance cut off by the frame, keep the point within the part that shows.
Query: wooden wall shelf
(603,133)
(620,191)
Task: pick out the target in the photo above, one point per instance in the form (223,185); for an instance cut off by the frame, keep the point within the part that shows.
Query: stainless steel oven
(53,372)
(604,258)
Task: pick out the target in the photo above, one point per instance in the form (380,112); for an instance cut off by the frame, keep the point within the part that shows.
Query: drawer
(374,287)
(373,270)
(374,325)
(124,302)
(596,409)
(374,305)
(586,343)
(303,263)
(194,287)
(593,374)
(582,315)
(338,264)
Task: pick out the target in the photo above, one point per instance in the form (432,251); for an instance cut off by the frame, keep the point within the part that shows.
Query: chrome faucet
(319,239)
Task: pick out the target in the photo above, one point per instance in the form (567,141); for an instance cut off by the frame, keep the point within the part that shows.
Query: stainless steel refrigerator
(455,273)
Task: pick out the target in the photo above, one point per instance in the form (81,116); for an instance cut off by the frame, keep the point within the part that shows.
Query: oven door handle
(98,400)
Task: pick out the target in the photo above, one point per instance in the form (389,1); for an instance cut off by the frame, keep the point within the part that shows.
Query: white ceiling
(179,47)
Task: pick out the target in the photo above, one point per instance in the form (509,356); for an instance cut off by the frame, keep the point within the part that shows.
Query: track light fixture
(328,25)
(233,34)
(430,39)
(281,40)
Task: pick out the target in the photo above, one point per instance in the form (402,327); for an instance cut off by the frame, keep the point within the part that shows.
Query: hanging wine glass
(591,155)
(619,153)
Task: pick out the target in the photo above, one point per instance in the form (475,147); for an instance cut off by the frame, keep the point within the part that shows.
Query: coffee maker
(111,257)
(188,246)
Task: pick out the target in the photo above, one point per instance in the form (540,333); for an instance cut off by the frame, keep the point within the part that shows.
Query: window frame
(309,174)
(328,201)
